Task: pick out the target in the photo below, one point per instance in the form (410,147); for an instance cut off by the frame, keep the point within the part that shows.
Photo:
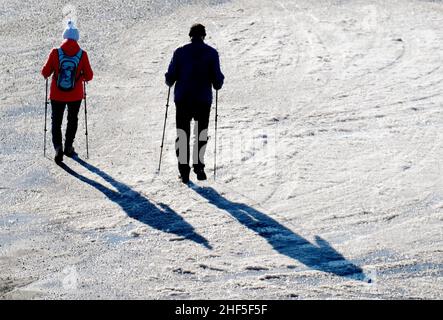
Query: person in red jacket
(61,96)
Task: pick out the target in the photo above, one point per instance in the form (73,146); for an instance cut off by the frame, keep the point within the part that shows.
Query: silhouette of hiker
(320,256)
(137,206)
(195,69)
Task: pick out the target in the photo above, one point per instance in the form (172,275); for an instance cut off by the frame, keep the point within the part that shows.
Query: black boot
(69,151)
(200,172)
(58,155)
(184,172)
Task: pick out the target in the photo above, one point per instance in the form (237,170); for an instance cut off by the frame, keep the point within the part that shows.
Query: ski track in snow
(329,160)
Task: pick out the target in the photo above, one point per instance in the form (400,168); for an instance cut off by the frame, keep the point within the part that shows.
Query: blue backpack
(67,70)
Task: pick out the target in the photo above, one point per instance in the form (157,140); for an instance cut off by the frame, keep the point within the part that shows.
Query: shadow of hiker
(138,207)
(322,256)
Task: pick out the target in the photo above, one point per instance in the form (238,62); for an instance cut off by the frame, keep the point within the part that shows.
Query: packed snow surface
(329,160)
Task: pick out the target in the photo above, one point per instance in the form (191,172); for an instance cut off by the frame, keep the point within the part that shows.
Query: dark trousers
(185,112)
(58,110)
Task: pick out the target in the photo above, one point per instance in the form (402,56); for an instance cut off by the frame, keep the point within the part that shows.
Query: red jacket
(84,72)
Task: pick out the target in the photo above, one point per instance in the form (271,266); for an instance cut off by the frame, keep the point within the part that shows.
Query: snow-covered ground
(329,178)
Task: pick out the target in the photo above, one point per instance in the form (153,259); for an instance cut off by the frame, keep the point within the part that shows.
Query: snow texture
(329,161)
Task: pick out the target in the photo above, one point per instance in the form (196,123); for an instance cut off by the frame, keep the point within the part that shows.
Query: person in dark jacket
(195,70)
(72,98)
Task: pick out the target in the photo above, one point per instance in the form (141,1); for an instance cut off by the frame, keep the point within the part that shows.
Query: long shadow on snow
(321,256)
(138,207)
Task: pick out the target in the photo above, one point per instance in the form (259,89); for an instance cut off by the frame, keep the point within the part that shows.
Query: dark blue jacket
(195,69)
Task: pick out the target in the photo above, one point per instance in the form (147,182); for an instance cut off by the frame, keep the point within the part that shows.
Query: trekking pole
(215,142)
(164,128)
(86,122)
(46,112)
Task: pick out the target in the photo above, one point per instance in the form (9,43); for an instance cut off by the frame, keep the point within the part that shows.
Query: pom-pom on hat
(71,32)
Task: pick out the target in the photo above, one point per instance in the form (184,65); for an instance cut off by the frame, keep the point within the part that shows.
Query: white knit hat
(71,32)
